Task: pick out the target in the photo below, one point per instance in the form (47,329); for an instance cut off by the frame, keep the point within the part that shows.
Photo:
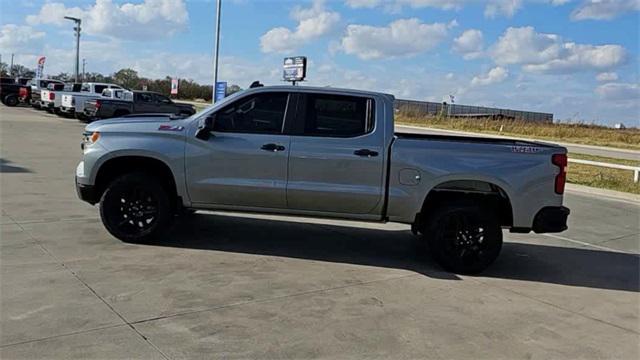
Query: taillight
(23,92)
(560,160)
(98,104)
(52,96)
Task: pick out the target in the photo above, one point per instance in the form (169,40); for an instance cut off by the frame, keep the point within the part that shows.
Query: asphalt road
(572,148)
(249,286)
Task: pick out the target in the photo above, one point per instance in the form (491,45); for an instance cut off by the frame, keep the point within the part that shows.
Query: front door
(336,162)
(244,162)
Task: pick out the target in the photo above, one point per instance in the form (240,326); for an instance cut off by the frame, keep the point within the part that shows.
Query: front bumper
(551,219)
(86,193)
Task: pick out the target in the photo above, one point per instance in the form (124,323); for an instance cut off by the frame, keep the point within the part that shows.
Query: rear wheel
(11,100)
(463,239)
(135,208)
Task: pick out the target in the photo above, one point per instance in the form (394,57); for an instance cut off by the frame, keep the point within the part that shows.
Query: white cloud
(312,23)
(549,53)
(19,38)
(150,19)
(604,9)
(607,76)
(496,75)
(401,38)
(359,4)
(470,44)
(502,7)
(619,92)
(493,8)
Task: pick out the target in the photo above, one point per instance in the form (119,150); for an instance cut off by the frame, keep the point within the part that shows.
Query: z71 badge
(525,149)
(170,128)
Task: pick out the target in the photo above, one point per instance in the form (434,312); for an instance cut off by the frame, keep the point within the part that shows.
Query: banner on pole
(40,67)
(221,91)
(174,86)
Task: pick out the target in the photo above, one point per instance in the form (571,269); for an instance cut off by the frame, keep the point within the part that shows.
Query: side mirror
(205,127)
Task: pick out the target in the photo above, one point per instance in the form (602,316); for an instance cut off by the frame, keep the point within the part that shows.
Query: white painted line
(599,247)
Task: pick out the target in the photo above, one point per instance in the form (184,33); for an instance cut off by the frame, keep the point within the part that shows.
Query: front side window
(338,115)
(98,88)
(261,113)
(145,97)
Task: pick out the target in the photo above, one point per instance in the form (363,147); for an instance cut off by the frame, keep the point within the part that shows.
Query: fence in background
(635,169)
(434,108)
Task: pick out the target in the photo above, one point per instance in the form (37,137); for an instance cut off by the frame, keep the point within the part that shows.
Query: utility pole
(217,50)
(84,63)
(11,67)
(77,29)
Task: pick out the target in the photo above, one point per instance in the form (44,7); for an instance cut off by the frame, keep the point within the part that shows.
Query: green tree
(4,69)
(128,78)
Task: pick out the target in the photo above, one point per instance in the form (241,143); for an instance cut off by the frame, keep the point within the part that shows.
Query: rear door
(244,162)
(337,156)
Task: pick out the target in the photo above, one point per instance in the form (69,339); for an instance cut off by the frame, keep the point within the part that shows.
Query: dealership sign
(174,86)
(294,68)
(221,91)
(40,67)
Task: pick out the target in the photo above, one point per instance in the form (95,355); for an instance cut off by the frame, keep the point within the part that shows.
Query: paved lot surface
(238,286)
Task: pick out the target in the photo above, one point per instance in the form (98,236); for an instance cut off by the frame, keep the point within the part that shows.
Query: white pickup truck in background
(51,97)
(73,104)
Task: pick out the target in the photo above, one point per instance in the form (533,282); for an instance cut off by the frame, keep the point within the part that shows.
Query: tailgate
(67,100)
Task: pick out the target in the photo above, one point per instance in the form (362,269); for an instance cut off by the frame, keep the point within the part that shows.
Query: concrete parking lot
(249,286)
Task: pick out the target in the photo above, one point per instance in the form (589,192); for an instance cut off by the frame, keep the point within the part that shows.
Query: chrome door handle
(272,147)
(366,152)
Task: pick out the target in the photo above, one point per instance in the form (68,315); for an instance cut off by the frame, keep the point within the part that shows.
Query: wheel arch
(117,166)
(486,193)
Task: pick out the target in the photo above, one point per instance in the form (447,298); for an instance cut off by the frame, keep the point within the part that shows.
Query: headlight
(89,137)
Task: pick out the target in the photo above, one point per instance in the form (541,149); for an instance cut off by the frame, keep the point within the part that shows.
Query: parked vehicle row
(105,100)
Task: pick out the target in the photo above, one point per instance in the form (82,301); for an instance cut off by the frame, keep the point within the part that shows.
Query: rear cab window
(328,115)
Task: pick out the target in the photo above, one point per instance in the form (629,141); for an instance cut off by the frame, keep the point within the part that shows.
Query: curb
(617,195)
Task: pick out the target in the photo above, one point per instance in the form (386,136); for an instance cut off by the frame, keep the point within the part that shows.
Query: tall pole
(77,28)
(11,67)
(217,50)
(84,63)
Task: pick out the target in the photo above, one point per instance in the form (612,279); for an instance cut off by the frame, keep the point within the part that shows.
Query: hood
(151,121)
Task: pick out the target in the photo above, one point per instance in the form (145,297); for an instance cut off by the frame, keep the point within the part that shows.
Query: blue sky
(576,58)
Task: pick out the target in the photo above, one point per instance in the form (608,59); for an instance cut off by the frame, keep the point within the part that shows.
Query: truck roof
(325,89)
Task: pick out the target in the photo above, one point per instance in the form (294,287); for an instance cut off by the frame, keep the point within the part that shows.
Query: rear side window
(99,88)
(262,113)
(337,115)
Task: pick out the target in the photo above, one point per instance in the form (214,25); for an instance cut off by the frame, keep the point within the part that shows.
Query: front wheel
(463,239)
(135,208)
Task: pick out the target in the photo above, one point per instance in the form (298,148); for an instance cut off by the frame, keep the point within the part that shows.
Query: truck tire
(463,239)
(81,117)
(135,208)
(11,100)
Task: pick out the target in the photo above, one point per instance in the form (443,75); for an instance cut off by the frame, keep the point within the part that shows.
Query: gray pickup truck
(322,152)
(138,102)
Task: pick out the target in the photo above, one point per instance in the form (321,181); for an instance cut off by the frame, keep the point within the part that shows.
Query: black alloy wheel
(464,239)
(135,208)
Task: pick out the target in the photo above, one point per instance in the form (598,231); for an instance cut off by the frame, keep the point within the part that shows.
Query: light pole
(84,63)
(217,49)
(77,30)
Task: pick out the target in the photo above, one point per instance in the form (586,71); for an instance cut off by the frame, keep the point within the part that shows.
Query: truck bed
(471,139)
